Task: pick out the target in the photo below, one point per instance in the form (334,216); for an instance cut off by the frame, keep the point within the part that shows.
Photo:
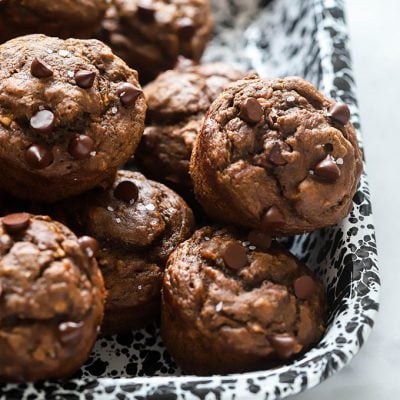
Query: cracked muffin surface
(70,114)
(151,35)
(61,18)
(234,302)
(51,299)
(177,103)
(276,155)
(138,223)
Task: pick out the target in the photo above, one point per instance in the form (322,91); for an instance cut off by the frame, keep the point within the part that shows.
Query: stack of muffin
(264,158)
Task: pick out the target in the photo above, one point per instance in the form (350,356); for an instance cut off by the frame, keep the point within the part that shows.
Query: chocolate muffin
(51,299)
(231,304)
(138,223)
(70,114)
(277,156)
(150,34)
(177,103)
(62,18)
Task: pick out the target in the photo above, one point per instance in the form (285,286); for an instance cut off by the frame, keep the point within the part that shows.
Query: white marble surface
(375,36)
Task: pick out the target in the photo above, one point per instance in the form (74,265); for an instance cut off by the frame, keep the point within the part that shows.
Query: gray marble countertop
(375,35)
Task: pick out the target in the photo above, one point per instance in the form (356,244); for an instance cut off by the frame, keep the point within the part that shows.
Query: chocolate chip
(328,147)
(272,219)
(259,239)
(80,146)
(70,332)
(275,156)
(340,112)
(304,287)
(38,157)
(283,345)
(186,28)
(327,169)
(1,289)
(89,245)
(84,78)
(39,69)
(251,111)
(43,122)
(234,255)
(146,11)
(128,93)
(16,222)
(126,191)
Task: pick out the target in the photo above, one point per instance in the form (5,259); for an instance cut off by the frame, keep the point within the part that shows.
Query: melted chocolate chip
(70,332)
(328,147)
(340,112)
(85,78)
(234,256)
(89,245)
(275,156)
(16,222)
(304,287)
(39,69)
(186,28)
(38,156)
(283,345)
(272,219)
(128,93)
(81,146)
(327,169)
(251,111)
(259,239)
(126,191)
(146,11)
(43,122)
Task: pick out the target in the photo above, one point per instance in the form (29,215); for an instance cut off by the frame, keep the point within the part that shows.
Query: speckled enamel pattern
(276,38)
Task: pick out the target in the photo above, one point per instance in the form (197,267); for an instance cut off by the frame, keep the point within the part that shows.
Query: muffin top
(45,273)
(230,288)
(62,17)
(67,107)
(284,157)
(135,216)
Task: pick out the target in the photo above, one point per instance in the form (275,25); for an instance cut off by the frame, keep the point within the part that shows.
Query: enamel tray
(276,38)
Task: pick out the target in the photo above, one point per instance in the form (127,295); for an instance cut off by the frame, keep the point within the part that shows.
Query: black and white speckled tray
(277,38)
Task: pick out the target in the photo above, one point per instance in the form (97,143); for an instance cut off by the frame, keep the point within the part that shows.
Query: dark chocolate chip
(251,111)
(327,169)
(80,146)
(186,28)
(272,219)
(89,245)
(259,239)
(128,93)
(275,156)
(39,69)
(340,112)
(304,287)
(38,156)
(85,78)
(146,11)
(43,122)
(126,191)
(16,222)
(328,147)
(234,255)
(70,332)
(283,345)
